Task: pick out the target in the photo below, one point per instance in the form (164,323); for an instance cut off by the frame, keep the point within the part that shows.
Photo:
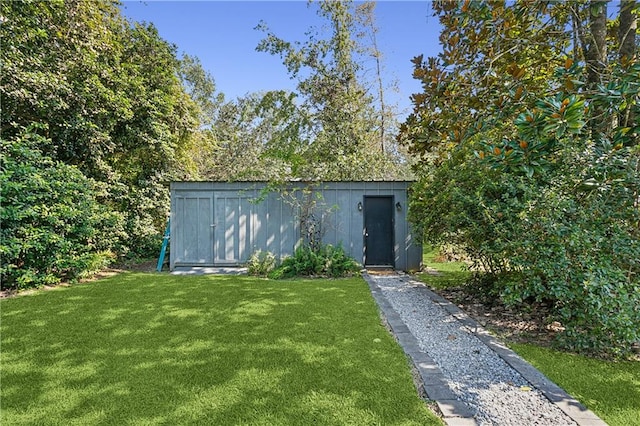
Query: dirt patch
(12,293)
(140,266)
(380,271)
(532,325)
(143,266)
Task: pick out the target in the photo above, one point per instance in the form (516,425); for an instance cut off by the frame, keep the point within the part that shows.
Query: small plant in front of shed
(325,261)
(261,263)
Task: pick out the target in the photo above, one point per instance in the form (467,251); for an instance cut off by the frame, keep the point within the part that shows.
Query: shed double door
(215,229)
(194,228)
(232,234)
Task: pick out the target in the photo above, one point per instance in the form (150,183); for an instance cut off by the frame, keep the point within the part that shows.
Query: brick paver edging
(433,382)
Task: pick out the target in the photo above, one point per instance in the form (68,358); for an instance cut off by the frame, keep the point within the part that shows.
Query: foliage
(111,98)
(581,252)
(441,273)
(494,56)
(466,212)
(331,130)
(201,88)
(240,143)
(159,348)
(537,186)
(261,263)
(324,261)
(320,131)
(53,226)
(582,243)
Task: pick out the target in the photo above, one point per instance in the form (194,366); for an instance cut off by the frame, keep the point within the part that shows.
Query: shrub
(53,228)
(325,261)
(261,263)
(144,206)
(585,257)
(565,237)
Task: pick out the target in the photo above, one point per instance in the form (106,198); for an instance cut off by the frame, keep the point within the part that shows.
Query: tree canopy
(340,134)
(529,153)
(99,94)
(108,107)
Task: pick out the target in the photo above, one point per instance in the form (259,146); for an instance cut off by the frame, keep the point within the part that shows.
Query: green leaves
(496,61)
(323,261)
(53,226)
(110,96)
(531,167)
(341,135)
(541,132)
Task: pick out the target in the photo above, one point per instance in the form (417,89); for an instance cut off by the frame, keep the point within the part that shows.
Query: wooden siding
(219,223)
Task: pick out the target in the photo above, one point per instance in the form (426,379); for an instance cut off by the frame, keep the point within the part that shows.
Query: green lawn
(451,274)
(609,389)
(149,349)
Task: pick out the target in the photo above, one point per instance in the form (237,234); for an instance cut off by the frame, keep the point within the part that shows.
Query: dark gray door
(378,231)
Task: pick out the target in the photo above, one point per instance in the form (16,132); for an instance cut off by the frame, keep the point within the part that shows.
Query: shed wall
(219,223)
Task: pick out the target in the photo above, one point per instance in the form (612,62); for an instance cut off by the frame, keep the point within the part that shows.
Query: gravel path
(495,392)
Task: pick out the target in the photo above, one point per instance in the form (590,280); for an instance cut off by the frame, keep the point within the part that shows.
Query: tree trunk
(627,30)
(627,39)
(383,110)
(596,64)
(365,14)
(596,54)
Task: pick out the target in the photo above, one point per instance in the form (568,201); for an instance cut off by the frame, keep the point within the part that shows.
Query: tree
(627,52)
(537,183)
(388,125)
(53,58)
(201,88)
(239,137)
(496,60)
(336,118)
(106,96)
(595,44)
(627,30)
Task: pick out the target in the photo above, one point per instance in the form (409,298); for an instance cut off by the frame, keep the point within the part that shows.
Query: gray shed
(222,224)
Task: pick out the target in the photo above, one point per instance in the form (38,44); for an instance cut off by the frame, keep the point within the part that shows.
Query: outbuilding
(224,223)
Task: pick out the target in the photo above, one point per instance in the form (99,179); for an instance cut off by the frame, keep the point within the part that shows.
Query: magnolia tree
(539,181)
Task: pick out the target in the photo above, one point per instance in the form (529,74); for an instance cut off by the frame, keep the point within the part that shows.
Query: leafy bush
(111,94)
(325,261)
(52,226)
(474,210)
(261,263)
(144,208)
(584,256)
(563,230)
(565,237)
(547,239)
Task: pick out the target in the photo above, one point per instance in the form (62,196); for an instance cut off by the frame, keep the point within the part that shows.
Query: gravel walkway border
(407,305)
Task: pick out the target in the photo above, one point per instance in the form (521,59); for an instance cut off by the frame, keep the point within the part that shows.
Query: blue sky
(222,35)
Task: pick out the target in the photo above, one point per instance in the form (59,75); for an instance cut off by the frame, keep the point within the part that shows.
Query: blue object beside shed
(224,223)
